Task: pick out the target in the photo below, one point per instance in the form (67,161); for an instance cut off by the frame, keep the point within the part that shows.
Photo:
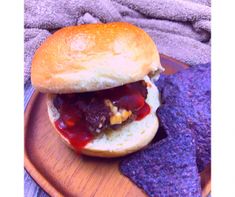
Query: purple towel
(181,28)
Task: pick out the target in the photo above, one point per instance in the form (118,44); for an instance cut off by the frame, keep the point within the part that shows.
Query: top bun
(93,57)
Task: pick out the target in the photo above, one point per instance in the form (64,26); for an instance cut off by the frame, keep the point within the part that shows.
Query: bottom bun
(124,140)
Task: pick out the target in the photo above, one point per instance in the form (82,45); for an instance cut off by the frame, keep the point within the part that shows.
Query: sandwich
(98,78)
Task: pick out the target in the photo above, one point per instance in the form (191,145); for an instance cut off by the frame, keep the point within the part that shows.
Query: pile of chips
(171,166)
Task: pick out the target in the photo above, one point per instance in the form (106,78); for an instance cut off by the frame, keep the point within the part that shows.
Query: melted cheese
(118,115)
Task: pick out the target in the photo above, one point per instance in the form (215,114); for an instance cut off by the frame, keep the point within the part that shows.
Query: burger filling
(98,111)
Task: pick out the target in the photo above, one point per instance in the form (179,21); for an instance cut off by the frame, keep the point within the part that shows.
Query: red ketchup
(73,127)
(72,123)
(143,112)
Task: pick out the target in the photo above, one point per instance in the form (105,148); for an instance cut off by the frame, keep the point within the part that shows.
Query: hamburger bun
(93,57)
(125,140)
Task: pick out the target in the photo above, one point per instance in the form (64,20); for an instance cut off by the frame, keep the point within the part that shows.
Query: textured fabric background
(181,29)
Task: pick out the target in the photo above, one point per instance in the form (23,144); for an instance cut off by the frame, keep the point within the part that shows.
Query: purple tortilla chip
(186,104)
(167,168)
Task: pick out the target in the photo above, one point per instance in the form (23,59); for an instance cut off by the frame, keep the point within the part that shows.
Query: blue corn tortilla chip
(180,119)
(170,165)
(167,168)
(186,103)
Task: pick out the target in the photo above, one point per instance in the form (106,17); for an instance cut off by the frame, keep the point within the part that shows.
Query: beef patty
(103,109)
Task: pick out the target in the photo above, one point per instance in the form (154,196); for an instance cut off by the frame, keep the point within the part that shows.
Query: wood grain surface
(62,172)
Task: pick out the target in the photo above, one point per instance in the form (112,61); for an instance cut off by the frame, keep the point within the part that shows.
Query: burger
(98,79)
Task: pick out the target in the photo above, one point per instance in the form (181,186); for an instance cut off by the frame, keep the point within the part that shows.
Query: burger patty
(103,109)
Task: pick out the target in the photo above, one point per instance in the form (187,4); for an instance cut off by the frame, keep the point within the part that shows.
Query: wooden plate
(62,172)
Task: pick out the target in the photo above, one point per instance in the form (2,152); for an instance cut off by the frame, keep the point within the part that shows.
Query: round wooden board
(62,172)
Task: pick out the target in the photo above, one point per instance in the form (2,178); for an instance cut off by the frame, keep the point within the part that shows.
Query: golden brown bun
(127,139)
(93,57)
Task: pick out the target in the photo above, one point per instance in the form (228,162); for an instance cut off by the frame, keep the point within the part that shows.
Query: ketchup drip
(73,123)
(73,127)
(143,112)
